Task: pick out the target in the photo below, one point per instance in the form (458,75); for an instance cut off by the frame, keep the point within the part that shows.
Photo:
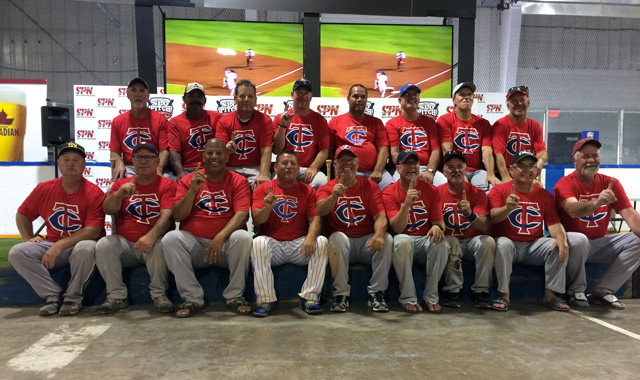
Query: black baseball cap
(139,81)
(302,82)
(145,145)
(454,154)
(71,147)
(402,156)
(522,155)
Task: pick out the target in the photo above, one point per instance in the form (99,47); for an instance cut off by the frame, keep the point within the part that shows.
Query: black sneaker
(482,300)
(451,300)
(340,304)
(377,303)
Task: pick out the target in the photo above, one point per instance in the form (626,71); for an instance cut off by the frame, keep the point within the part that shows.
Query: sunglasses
(518,89)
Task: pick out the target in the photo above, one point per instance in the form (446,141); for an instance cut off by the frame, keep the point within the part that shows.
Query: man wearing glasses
(416,132)
(518,210)
(515,132)
(142,206)
(462,131)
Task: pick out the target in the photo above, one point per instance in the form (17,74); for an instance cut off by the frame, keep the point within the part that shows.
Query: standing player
(142,205)
(585,199)
(375,84)
(382,83)
(518,209)
(413,131)
(305,132)
(249,54)
(212,207)
(366,135)
(357,225)
(515,132)
(189,131)
(71,207)
(462,131)
(400,58)
(285,210)
(414,212)
(248,134)
(466,217)
(232,77)
(140,124)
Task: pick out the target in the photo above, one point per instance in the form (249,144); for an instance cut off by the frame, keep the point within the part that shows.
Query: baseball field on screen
(354,53)
(199,51)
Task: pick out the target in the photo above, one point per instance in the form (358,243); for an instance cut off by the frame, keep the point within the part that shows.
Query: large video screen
(385,57)
(217,54)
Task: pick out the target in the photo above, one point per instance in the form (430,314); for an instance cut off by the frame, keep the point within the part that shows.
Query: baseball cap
(402,156)
(453,154)
(69,147)
(302,82)
(193,86)
(139,81)
(589,140)
(461,85)
(515,90)
(145,145)
(522,155)
(344,148)
(408,86)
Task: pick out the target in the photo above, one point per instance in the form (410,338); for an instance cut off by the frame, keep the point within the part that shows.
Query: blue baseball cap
(402,156)
(407,87)
(145,145)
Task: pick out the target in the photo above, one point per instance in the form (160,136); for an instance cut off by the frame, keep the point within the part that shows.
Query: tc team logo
(598,215)
(144,207)
(518,141)
(135,136)
(357,134)
(245,143)
(213,202)
(467,139)
(350,210)
(198,136)
(299,136)
(526,218)
(285,207)
(65,218)
(414,138)
(418,216)
(454,220)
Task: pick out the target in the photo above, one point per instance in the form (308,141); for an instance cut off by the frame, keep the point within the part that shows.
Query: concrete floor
(528,342)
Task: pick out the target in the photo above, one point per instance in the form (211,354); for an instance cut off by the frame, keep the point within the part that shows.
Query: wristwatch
(432,171)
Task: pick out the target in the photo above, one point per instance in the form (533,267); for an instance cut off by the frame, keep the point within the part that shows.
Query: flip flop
(425,306)
(413,303)
(554,304)
(500,301)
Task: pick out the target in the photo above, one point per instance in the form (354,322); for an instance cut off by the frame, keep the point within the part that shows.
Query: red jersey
(127,132)
(366,135)
(355,210)
(420,135)
(467,136)
(215,203)
(289,218)
(423,211)
(305,135)
(64,213)
(188,137)
(595,225)
(525,222)
(249,137)
(140,212)
(509,138)
(457,224)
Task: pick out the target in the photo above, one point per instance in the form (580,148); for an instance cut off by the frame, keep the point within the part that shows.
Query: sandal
(415,307)
(608,300)
(191,308)
(500,301)
(555,303)
(264,309)
(237,303)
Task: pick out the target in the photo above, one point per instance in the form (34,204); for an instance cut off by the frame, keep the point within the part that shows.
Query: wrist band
(471,218)
(439,226)
(283,126)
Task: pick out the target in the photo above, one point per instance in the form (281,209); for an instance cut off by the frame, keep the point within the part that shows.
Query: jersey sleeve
(486,132)
(538,142)
(434,135)
(174,140)
(622,201)
(222,130)
(550,211)
(375,199)
(562,191)
(444,129)
(499,138)
(266,132)
(496,197)
(391,206)
(163,134)
(182,187)
(435,210)
(312,201)
(29,207)
(241,194)
(95,213)
(258,196)
(324,191)
(324,137)
(480,202)
(392,133)
(381,134)
(276,124)
(114,143)
(168,195)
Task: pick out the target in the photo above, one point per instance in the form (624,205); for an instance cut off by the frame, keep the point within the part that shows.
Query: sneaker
(111,305)
(451,300)
(482,300)
(310,306)
(377,303)
(264,309)
(163,304)
(70,308)
(579,300)
(50,308)
(340,304)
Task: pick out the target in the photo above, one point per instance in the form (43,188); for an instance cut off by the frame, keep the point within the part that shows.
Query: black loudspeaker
(56,126)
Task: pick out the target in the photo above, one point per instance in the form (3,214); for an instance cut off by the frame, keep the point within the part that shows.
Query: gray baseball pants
(480,249)
(478,179)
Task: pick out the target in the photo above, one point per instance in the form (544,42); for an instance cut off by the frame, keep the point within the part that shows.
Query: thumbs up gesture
(339,188)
